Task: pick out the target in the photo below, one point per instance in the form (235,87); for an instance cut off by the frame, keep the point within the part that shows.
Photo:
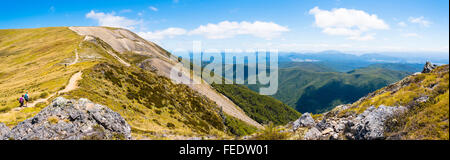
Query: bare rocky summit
(70,120)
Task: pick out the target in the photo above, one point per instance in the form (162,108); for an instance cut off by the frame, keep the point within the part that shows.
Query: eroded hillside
(41,61)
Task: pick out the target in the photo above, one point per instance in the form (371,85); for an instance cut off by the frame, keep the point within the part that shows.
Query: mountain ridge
(191,114)
(415,107)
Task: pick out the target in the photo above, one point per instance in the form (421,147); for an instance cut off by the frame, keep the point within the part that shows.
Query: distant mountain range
(345,62)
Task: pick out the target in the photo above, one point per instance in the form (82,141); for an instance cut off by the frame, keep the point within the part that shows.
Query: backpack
(21,100)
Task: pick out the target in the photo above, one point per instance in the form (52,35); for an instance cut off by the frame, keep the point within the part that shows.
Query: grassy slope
(310,91)
(151,104)
(427,120)
(33,60)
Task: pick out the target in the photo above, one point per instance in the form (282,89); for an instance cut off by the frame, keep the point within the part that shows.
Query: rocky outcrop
(4,130)
(368,125)
(428,67)
(71,120)
(313,134)
(304,121)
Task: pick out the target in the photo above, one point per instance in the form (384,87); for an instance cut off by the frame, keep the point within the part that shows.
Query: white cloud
(111,20)
(158,35)
(153,8)
(348,22)
(411,35)
(228,29)
(401,24)
(366,37)
(419,20)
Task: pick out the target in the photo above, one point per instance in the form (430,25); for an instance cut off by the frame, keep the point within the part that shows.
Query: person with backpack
(21,100)
(27,98)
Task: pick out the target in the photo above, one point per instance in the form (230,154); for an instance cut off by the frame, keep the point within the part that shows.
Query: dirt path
(76,58)
(123,40)
(73,84)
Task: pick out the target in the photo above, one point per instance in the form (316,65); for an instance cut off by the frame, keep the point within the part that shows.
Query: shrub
(238,127)
(43,95)
(170,125)
(270,132)
(53,119)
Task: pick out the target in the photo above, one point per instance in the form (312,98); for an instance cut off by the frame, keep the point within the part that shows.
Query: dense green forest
(310,87)
(261,108)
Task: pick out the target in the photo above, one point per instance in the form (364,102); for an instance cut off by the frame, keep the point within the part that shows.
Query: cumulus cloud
(158,35)
(367,37)
(348,22)
(111,20)
(401,24)
(153,8)
(227,29)
(419,20)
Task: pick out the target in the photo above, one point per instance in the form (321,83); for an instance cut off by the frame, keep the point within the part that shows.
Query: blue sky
(353,26)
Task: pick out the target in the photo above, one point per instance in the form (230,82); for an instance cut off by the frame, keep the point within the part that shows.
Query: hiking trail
(73,84)
(76,58)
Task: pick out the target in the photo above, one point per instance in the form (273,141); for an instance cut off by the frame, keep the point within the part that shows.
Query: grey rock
(428,67)
(370,124)
(334,136)
(72,120)
(422,99)
(304,121)
(312,134)
(4,131)
(327,131)
(322,125)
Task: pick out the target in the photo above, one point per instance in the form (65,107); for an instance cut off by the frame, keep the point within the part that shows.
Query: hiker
(21,100)
(26,99)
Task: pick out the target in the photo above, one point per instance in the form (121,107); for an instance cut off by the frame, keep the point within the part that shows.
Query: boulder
(304,121)
(322,125)
(4,131)
(422,99)
(328,130)
(428,67)
(72,120)
(370,124)
(312,134)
